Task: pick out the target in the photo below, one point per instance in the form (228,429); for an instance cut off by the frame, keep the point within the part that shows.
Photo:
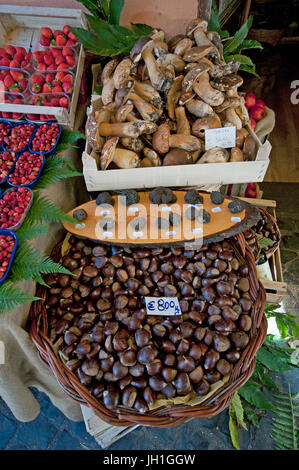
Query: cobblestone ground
(52,430)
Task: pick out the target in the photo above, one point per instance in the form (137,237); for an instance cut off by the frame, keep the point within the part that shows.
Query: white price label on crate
(162,306)
(224,137)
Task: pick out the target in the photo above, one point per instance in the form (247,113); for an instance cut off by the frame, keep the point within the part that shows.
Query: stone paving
(52,430)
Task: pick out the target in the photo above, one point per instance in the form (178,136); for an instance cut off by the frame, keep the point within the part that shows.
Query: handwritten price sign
(162,306)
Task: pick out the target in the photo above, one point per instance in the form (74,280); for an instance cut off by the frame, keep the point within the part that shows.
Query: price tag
(224,137)
(162,306)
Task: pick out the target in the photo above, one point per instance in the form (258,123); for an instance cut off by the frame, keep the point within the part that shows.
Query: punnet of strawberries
(45,138)
(26,169)
(19,137)
(55,59)
(16,57)
(13,205)
(4,130)
(58,37)
(15,81)
(59,82)
(256,109)
(12,99)
(7,159)
(7,244)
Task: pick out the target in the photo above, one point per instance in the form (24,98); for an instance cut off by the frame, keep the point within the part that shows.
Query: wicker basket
(164,416)
(269,219)
(252,240)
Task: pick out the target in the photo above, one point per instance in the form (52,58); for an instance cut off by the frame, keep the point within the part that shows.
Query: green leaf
(232,44)
(246,68)
(44,210)
(238,410)
(214,22)
(11,296)
(251,415)
(26,232)
(107,37)
(249,44)
(116,7)
(264,378)
(91,5)
(105,8)
(141,29)
(243,59)
(98,90)
(233,428)
(264,242)
(273,363)
(251,393)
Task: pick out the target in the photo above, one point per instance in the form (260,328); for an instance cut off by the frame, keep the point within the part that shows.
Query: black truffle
(132,197)
(107,223)
(174,219)
(235,207)
(192,197)
(216,197)
(105,198)
(191,213)
(162,196)
(80,214)
(138,224)
(204,216)
(162,223)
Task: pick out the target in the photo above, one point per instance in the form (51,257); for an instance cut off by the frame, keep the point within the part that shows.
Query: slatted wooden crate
(276,288)
(20,25)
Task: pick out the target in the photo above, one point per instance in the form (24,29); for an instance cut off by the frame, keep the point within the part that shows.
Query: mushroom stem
(108,91)
(157,78)
(125,159)
(232,117)
(122,72)
(206,92)
(173,96)
(185,142)
(151,155)
(183,126)
(199,108)
(147,110)
(148,93)
(127,129)
(201,38)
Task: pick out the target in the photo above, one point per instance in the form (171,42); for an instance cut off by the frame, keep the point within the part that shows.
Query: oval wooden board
(221,225)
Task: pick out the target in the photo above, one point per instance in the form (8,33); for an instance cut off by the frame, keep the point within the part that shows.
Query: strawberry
(57,89)
(63,102)
(38,56)
(61,40)
(252,124)
(66,30)
(14,64)
(47,88)
(37,100)
(4,62)
(32,117)
(17,75)
(260,103)
(67,51)
(15,88)
(56,83)
(55,51)
(37,79)
(10,50)
(18,57)
(28,56)
(67,87)
(45,102)
(2,51)
(45,41)
(7,56)
(8,81)
(63,66)
(43,117)
(23,84)
(70,43)
(36,88)
(51,67)
(70,60)
(24,64)
(41,66)
(55,102)
(49,78)
(18,101)
(57,32)
(21,50)
(46,32)
(68,78)
(72,37)
(48,59)
(250,100)
(59,59)
(59,76)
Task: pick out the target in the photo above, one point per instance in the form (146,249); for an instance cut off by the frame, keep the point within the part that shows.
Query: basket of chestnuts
(267,228)
(94,332)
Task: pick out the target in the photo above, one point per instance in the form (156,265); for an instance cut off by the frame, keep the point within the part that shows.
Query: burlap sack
(265,126)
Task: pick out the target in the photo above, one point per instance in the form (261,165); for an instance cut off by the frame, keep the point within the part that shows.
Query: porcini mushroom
(163,140)
(148,93)
(147,110)
(183,125)
(122,72)
(233,118)
(127,129)
(107,94)
(199,108)
(173,95)
(157,77)
(249,148)
(177,157)
(236,155)
(123,158)
(132,143)
(200,125)
(123,111)
(206,92)
(152,156)
(171,59)
(183,46)
(214,155)
(196,53)
(192,75)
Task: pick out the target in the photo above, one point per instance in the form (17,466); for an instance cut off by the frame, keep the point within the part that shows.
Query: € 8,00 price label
(163,306)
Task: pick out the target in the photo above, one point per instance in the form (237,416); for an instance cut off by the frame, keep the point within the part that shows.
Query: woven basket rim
(164,416)
(273,221)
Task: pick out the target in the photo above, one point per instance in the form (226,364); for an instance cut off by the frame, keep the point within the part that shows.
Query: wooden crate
(178,175)
(20,25)
(276,288)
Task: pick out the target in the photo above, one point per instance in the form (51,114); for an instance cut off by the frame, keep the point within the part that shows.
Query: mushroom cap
(177,157)
(196,23)
(122,72)
(193,74)
(200,125)
(108,152)
(214,155)
(145,41)
(123,92)
(123,111)
(196,53)
(172,43)
(227,82)
(161,137)
(108,69)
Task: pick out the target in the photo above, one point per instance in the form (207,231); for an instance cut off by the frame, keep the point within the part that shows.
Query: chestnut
(168,374)
(195,351)
(139,382)
(159,330)
(202,388)
(213,376)
(137,370)
(140,405)
(111,398)
(182,384)
(232,356)
(149,396)
(129,396)
(245,322)
(156,383)
(147,354)
(154,368)
(120,340)
(185,364)
(106,364)
(142,337)
(167,346)
(169,360)
(119,370)
(211,358)
(240,339)
(196,375)
(169,391)
(221,343)
(223,366)
(128,357)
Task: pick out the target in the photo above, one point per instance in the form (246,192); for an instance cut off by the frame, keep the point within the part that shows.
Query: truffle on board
(80,215)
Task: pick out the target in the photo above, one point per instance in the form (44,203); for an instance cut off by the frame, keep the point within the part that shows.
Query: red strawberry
(72,37)
(48,59)
(60,76)
(28,56)
(45,41)
(63,102)
(24,64)
(55,51)
(2,51)
(252,124)
(4,62)
(18,101)
(57,89)
(60,40)
(55,102)
(36,88)
(45,102)
(43,117)
(32,117)
(17,75)
(38,56)
(67,87)
(67,51)
(8,81)
(70,60)
(10,50)
(260,103)
(41,66)
(18,57)
(49,78)
(57,32)
(56,83)
(63,66)
(68,78)
(37,100)
(14,64)
(47,88)
(46,32)
(59,59)
(7,56)
(51,67)
(21,50)
(15,88)
(23,84)
(37,79)
(66,30)
(70,43)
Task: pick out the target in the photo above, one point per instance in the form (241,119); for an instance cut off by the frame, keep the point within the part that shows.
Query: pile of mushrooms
(158,102)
